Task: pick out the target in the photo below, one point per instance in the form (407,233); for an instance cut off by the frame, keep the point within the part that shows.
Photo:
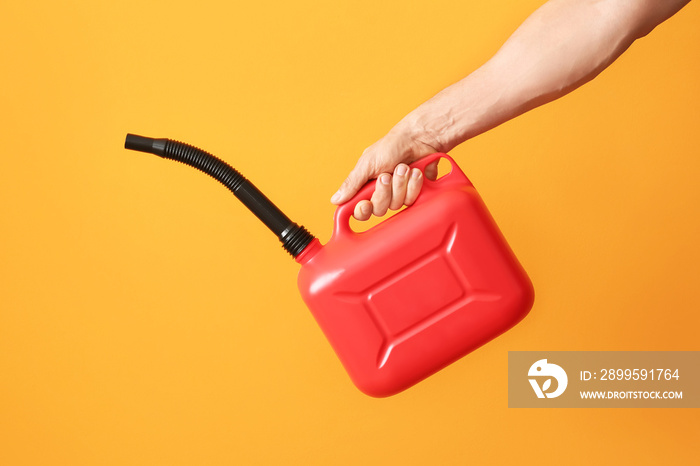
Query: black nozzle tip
(144,144)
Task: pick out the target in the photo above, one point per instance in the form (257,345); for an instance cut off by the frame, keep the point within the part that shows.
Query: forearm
(558,48)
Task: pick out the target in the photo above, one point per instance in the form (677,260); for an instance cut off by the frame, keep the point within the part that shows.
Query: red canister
(419,290)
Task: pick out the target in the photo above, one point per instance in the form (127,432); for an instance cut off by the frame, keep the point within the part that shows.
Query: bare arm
(562,45)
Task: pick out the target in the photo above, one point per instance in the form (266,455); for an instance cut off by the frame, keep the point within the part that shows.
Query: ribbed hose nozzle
(294,237)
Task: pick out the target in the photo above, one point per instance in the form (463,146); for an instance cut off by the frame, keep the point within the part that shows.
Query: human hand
(396,185)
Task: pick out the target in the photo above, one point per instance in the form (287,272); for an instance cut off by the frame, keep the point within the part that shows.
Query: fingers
(399,183)
(380,201)
(363,210)
(415,182)
(382,195)
(391,192)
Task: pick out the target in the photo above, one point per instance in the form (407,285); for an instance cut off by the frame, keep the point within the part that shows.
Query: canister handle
(455,177)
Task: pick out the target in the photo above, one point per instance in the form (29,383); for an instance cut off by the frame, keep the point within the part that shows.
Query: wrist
(427,132)
(445,121)
(459,112)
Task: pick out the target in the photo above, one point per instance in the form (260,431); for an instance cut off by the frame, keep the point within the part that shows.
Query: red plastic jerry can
(419,290)
(405,298)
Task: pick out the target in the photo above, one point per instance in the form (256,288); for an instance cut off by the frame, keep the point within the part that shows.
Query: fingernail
(385,179)
(336,197)
(365,209)
(401,170)
(416,173)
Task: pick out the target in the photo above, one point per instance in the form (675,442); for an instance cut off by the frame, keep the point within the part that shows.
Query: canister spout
(295,238)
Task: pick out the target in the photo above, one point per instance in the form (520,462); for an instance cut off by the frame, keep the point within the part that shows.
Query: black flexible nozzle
(294,237)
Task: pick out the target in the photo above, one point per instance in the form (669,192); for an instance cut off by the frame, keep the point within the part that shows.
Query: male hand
(397,185)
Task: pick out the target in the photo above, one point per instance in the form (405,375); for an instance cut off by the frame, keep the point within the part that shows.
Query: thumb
(355,180)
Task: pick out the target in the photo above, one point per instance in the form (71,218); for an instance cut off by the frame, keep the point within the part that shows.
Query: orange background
(147,318)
